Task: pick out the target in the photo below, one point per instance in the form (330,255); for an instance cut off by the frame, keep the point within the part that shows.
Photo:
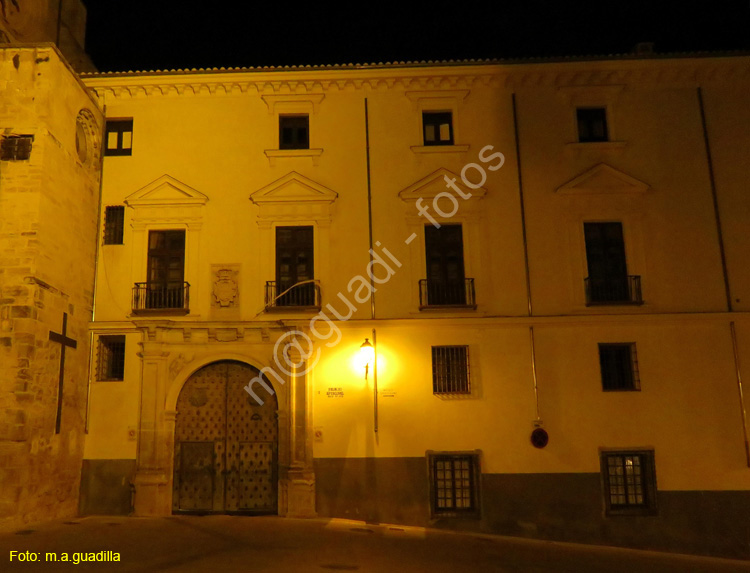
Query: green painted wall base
(561,507)
(105,487)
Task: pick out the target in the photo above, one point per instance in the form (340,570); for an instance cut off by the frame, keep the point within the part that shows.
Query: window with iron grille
(592,124)
(450,370)
(437,127)
(119,137)
(619,366)
(294,132)
(114,225)
(629,480)
(111,358)
(454,484)
(16,147)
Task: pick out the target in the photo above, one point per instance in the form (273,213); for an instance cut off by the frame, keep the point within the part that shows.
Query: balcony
(303,296)
(446,294)
(161,298)
(613,291)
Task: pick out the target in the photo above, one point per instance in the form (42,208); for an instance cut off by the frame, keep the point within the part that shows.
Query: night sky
(163,34)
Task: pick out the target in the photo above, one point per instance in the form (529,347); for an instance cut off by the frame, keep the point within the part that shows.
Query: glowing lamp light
(367,355)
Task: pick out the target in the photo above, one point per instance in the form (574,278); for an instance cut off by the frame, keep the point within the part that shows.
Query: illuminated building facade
(558,305)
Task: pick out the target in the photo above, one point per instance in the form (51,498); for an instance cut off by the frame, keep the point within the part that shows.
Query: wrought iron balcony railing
(611,291)
(287,296)
(161,298)
(459,294)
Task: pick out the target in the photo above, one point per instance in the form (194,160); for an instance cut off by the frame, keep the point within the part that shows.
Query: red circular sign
(539,438)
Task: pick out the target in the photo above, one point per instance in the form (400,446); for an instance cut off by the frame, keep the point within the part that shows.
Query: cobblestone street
(229,543)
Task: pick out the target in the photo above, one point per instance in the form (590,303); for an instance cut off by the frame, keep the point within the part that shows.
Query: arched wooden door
(225,447)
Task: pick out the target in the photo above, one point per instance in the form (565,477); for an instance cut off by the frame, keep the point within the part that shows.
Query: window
(608,281)
(446,284)
(437,127)
(454,484)
(114,225)
(619,365)
(166,268)
(592,124)
(119,137)
(111,358)
(165,287)
(450,370)
(294,131)
(294,264)
(16,147)
(629,480)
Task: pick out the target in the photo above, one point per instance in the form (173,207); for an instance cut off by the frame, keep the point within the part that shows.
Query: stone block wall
(48,235)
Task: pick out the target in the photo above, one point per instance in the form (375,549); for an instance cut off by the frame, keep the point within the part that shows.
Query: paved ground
(227,543)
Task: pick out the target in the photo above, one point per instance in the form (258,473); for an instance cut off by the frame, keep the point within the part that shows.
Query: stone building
(550,341)
(49,200)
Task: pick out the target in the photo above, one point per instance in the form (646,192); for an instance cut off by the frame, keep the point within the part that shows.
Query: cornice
(512,76)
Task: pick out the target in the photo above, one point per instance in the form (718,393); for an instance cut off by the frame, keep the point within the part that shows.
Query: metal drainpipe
(372,283)
(739,390)
(102,146)
(537,420)
(725,271)
(369,206)
(714,198)
(375,375)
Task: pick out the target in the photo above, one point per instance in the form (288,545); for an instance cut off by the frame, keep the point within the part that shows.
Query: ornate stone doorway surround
(166,368)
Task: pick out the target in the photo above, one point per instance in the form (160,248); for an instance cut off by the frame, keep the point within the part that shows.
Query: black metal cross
(63,341)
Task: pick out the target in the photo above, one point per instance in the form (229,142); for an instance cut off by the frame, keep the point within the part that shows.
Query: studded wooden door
(225,456)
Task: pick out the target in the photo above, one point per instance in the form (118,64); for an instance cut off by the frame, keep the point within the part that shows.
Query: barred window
(114,225)
(454,484)
(119,137)
(629,482)
(619,366)
(111,358)
(450,370)
(16,147)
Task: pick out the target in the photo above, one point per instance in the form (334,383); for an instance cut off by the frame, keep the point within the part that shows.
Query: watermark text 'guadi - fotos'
(295,352)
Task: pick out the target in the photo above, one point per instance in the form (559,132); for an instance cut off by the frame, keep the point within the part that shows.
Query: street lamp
(367,355)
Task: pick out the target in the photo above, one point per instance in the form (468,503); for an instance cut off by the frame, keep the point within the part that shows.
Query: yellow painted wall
(209,131)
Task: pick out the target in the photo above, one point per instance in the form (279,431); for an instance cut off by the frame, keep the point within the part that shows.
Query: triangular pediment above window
(293,188)
(294,197)
(603,179)
(166,191)
(441,181)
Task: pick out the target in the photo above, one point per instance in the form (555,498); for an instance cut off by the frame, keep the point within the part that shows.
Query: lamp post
(369,353)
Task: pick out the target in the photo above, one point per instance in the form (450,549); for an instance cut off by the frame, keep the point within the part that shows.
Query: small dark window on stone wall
(16,147)
(454,484)
(111,358)
(114,225)
(119,137)
(619,366)
(592,124)
(437,127)
(629,482)
(450,370)
(294,132)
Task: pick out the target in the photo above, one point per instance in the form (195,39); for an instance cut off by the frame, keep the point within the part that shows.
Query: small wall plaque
(335,393)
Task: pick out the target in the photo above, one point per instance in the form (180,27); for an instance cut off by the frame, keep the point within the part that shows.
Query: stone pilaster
(301,475)
(152,479)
